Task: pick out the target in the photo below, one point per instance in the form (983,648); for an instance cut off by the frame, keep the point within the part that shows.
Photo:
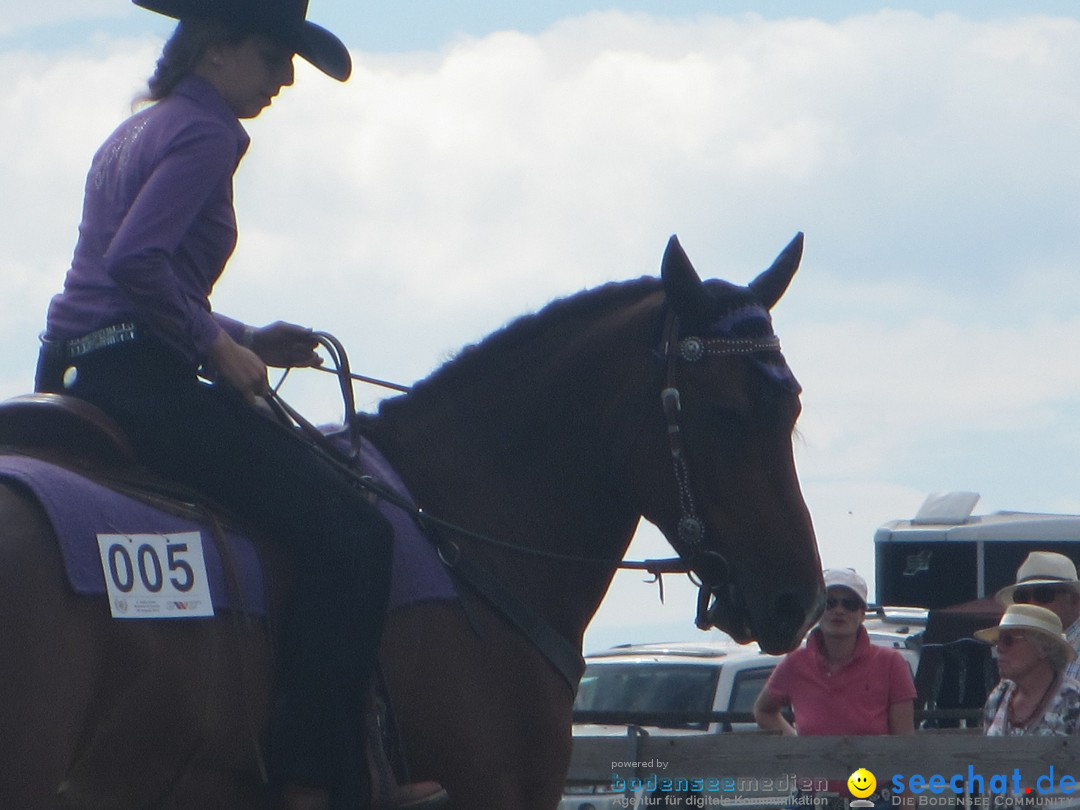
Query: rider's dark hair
(182,53)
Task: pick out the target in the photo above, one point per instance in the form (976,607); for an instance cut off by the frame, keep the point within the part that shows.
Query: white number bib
(155,576)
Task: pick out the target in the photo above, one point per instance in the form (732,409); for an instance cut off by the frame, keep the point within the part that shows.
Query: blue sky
(488,157)
(407,25)
(429,24)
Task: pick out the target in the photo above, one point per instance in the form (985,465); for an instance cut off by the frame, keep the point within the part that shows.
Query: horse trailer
(946,555)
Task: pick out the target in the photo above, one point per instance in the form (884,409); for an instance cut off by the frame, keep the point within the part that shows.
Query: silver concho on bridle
(690,528)
(691,349)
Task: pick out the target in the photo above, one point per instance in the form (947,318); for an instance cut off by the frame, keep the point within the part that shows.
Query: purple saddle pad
(418,574)
(80,510)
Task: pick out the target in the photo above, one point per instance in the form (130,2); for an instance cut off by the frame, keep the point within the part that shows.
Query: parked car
(901,628)
(678,677)
(686,677)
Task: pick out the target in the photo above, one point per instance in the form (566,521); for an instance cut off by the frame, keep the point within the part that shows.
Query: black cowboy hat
(283,20)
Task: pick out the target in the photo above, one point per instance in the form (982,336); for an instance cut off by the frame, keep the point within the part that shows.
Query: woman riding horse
(539,450)
(133,327)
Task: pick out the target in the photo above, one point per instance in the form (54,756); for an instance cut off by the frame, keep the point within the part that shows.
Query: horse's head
(729,500)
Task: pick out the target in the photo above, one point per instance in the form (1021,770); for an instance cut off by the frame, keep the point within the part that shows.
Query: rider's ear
(771,284)
(684,289)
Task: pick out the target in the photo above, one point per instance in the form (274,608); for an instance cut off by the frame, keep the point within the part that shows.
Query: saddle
(79,466)
(76,440)
(79,436)
(56,446)
(65,425)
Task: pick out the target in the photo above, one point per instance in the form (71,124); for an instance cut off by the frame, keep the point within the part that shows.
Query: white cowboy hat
(1029,617)
(845,578)
(1041,568)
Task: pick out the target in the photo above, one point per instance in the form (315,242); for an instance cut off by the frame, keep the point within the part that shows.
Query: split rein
(331,452)
(691,529)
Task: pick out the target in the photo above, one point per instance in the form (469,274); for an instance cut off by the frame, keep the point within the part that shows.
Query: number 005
(147,564)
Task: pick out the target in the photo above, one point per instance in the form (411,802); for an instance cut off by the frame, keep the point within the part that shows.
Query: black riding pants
(207,438)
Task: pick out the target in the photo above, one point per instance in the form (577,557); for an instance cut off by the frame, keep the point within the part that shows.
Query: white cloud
(59,109)
(18,17)
(931,161)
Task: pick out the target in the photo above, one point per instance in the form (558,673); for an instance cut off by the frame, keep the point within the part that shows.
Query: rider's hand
(239,367)
(285,345)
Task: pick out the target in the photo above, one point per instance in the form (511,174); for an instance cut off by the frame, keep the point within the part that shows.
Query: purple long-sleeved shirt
(158,224)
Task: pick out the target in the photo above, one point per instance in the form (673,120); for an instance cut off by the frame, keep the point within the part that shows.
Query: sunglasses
(1037,594)
(849,604)
(1007,639)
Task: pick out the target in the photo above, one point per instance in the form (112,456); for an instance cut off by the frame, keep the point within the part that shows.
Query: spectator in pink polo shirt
(839,683)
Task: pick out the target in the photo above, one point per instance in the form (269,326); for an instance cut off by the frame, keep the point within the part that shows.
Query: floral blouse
(1062,714)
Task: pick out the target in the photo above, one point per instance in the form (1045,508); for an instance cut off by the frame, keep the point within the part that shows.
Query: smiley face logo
(861,783)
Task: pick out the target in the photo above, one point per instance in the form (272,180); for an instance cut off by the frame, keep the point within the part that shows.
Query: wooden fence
(638,755)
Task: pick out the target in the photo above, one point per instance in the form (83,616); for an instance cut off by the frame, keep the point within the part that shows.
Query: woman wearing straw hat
(134,326)
(1048,579)
(1034,695)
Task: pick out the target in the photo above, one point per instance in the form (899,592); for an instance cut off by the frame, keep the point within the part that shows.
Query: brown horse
(546,443)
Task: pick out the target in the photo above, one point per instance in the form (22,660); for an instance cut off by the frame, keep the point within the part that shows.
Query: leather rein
(707,568)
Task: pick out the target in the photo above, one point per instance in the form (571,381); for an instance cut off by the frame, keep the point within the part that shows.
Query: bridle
(710,567)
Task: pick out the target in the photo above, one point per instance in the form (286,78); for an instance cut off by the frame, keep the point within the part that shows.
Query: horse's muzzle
(719,607)
(780,631)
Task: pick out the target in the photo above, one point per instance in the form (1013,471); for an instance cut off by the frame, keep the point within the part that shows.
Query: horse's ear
(684,289)
(771,284)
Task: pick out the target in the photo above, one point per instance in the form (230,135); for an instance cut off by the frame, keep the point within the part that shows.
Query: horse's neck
(574,518)
(537,469)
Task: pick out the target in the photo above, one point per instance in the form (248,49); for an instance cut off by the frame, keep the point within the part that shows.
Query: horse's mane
(536,376)
(504,347)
